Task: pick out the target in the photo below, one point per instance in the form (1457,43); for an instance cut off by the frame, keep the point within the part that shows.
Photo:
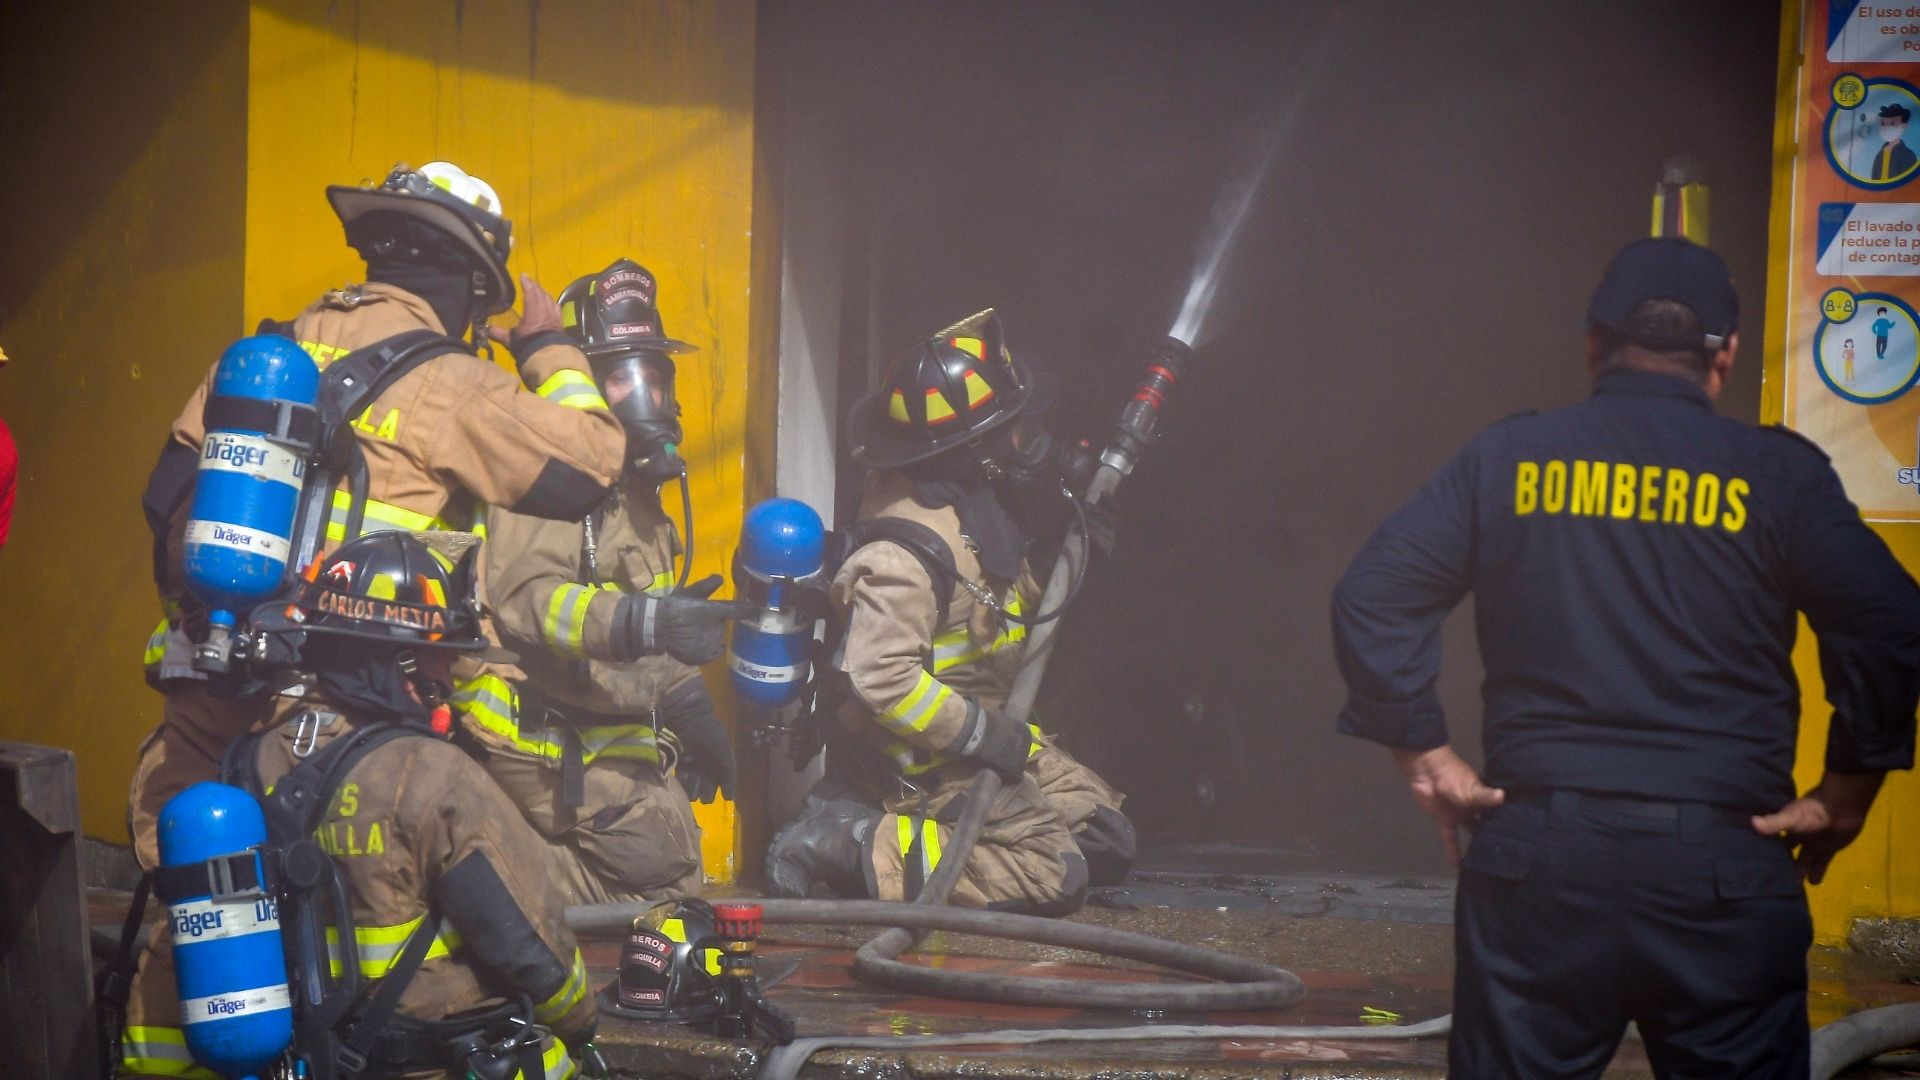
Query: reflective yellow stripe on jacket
(566,623)
(915,711)
(956,647)
(379,947)
(156,645)
(160,1051)
(492,703)
(556,1062)
(912,762)
(380,517)
(574,389)
(571,993)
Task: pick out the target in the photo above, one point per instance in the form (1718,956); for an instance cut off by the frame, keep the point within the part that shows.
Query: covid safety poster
(1851,255)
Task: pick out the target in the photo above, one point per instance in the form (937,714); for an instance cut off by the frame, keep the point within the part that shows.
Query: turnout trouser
(633,838)
(1578,913)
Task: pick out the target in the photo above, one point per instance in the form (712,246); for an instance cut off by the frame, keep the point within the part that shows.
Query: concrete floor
(1356,942)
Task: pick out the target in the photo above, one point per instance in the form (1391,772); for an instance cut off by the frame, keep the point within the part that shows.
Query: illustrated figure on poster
(1866,131)
(1846,356)
(1882,326)
(1895,159)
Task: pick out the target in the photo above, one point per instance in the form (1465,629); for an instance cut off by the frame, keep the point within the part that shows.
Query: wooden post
(46,973)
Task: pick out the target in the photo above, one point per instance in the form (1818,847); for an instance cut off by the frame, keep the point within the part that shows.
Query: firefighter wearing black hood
(601,743)
(421,838)
(924,659)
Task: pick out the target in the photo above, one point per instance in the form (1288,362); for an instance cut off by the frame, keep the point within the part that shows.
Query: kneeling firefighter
(928,623)
(613,726)
(456,959)
(437,431)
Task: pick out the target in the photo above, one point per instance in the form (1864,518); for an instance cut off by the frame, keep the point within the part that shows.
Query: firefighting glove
(706,766)
(997,741)
(539,326)
(684,624)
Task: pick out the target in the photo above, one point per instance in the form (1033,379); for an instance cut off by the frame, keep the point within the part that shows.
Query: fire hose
(1242,983)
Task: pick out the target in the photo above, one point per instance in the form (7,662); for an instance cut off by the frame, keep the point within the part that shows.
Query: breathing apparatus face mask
(638,387)
(1023,454)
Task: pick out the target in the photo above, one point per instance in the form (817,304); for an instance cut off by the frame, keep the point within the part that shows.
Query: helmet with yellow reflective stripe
(457,208)
(391,587)
(613,311)
(949,391)
(668,965)
(612,316)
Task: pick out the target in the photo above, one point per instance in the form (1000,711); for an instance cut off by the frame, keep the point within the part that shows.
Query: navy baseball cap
(1667,268)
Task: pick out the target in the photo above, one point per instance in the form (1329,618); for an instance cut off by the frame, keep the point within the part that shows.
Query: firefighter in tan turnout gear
(926,642)
(425,845)
(605,739)
(452,433)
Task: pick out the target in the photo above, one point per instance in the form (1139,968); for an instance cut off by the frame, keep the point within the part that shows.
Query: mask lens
(1030,439)
(639,387)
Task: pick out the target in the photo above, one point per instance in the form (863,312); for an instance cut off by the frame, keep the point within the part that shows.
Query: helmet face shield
(638,387)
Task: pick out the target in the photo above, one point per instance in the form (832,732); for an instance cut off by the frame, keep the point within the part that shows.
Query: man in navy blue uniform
(1637,563)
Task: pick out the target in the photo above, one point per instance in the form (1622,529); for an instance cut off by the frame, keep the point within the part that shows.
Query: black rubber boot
(1107,840)
(820,854)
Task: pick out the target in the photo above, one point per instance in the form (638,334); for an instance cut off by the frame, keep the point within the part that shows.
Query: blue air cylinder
(782,543)
(231,973)
(247,491)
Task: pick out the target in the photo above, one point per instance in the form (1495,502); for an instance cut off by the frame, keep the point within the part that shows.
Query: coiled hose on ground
(1245,984)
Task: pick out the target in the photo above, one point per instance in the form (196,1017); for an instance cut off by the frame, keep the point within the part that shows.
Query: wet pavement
(1359,943)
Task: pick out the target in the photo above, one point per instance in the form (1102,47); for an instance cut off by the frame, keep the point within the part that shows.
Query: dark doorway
(1415,267)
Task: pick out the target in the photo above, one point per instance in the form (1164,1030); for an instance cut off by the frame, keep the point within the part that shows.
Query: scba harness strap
(826,687)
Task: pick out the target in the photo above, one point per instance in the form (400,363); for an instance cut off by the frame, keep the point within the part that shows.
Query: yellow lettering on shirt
(1735,518)
(1655,494)
(323,354)
(1625,484)
(349,803)
(343,840)
(1674,509)
(1553,487)
(1526,487)
(1589,487)
(1706,499)
(389,425)
(1649,491)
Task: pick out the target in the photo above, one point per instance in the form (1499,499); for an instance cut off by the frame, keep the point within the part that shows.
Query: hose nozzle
(1134,430)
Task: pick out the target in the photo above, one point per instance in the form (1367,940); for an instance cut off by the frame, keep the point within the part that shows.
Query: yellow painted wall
(121,208)
(1879,875)
(609,128)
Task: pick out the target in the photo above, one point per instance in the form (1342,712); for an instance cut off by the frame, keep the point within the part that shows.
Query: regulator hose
(1853,1039)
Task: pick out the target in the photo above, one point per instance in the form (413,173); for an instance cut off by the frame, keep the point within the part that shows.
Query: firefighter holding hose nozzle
(930,612)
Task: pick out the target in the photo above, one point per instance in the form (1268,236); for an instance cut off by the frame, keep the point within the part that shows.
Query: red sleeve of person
(9,472)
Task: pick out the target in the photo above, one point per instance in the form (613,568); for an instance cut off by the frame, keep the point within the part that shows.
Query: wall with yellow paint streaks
(1879,875)
(122,194)
(175,169)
